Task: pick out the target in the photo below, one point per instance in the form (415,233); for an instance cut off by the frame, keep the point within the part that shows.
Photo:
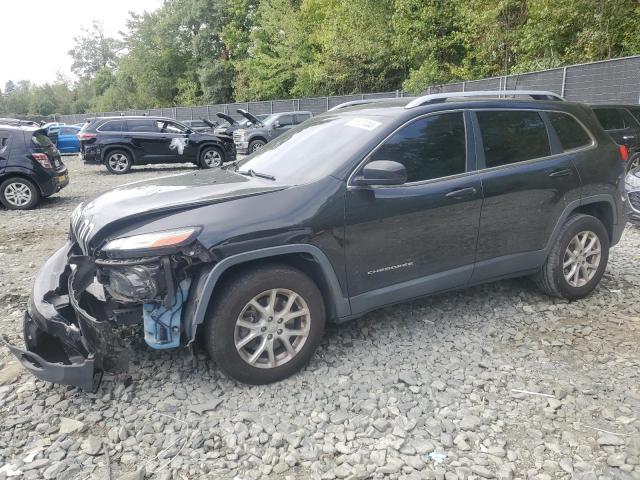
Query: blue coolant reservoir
(162,325)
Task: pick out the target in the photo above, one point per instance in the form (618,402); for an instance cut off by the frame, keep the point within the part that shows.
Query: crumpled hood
(134,200)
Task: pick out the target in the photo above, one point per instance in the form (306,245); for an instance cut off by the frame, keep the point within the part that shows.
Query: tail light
(42,159)
(624,153)
(85,136)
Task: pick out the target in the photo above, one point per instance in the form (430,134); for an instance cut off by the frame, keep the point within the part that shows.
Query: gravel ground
(421,390)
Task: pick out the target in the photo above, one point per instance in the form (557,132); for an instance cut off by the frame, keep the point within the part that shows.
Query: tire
(18,193)
(211,157)
(222,334)
(118,162)
(552,279)
(256,145)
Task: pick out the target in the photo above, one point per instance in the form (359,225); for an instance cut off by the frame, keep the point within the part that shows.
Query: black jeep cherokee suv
(30,167)
(121,142)
(353,210)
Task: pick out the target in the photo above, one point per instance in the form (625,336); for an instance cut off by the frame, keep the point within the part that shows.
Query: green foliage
(212,51)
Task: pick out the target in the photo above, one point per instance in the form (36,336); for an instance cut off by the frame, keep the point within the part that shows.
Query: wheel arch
(258,137)
(602,206)
(307,258)
(211,145)
(7,175)
(110,148)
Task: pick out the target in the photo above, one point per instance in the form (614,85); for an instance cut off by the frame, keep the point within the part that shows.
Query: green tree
(94,51)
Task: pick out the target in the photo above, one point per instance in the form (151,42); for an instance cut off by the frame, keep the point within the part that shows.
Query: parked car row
(347,212)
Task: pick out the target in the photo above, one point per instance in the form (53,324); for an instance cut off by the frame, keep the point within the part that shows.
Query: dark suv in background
(260,132)
(622,122)
(30,167)
(351,211)
(121,142)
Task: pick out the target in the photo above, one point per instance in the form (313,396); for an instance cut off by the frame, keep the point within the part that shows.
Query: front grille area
(634,200)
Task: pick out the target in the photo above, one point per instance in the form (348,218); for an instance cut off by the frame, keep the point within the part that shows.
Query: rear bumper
(56,182)
(90,153)
(63,342)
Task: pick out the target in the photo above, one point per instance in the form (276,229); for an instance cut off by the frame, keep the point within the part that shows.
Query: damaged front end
(82,309)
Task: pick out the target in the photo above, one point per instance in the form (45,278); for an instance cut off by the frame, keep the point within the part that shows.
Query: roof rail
(442,97)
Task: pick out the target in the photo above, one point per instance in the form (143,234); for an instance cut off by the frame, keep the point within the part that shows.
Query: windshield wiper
(253,173)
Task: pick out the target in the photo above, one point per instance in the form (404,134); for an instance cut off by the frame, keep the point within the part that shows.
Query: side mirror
(276,124)
(189,131)
(381,172)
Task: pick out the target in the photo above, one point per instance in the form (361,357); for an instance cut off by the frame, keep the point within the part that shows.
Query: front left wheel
(266,324)
(211,157)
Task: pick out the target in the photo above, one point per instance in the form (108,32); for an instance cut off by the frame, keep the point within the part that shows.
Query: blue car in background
(67,139)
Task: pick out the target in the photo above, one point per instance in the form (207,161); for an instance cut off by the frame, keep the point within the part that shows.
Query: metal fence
(608,81)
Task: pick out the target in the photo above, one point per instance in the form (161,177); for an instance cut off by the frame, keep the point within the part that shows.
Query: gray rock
(610,439)
(482,471)
(69,425)
(92,445)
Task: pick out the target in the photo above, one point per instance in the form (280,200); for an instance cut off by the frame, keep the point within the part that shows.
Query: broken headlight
(134,284)
(152,241)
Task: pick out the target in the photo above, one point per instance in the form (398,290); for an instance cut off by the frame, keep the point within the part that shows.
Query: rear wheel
(578,259)
(18,193)
(266,324)
(118,162)
(256,145)
(211,157)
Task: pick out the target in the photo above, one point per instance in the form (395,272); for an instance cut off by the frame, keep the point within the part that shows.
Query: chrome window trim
(593,145)
(419,182)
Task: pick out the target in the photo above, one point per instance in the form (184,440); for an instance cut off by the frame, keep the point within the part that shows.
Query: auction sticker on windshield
(363,123)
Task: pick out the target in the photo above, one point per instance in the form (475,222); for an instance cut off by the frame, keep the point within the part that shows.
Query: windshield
(314,149)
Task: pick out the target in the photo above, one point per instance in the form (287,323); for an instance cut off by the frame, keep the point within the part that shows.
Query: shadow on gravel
(155,169)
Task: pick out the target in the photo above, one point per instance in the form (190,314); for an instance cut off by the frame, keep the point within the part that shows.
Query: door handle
(461,192)
(565,172)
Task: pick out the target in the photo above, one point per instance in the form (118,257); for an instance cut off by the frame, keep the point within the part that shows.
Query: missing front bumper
(64,342)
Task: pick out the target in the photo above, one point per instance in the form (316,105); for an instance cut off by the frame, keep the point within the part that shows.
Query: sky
(48,27)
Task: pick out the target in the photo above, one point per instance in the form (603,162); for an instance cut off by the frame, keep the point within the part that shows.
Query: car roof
(135,117)
(288,113)
(22,128)
(614,105)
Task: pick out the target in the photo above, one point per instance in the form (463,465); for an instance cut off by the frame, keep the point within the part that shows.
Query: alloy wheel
(17,194)
(581,258)
(118,162)
(256,146)
(212,158)
(272,328)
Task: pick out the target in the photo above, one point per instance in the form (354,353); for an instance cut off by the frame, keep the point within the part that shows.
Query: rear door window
(112,126)
(512,136)
(67,131)
(614,118)
(301,117)
(429,148)
(142,126)
(570,133)
(285,120)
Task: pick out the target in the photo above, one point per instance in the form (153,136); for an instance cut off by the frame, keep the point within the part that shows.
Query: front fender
(202,287)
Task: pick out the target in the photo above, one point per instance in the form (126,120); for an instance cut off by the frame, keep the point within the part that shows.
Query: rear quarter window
(571,134)
(614,118)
